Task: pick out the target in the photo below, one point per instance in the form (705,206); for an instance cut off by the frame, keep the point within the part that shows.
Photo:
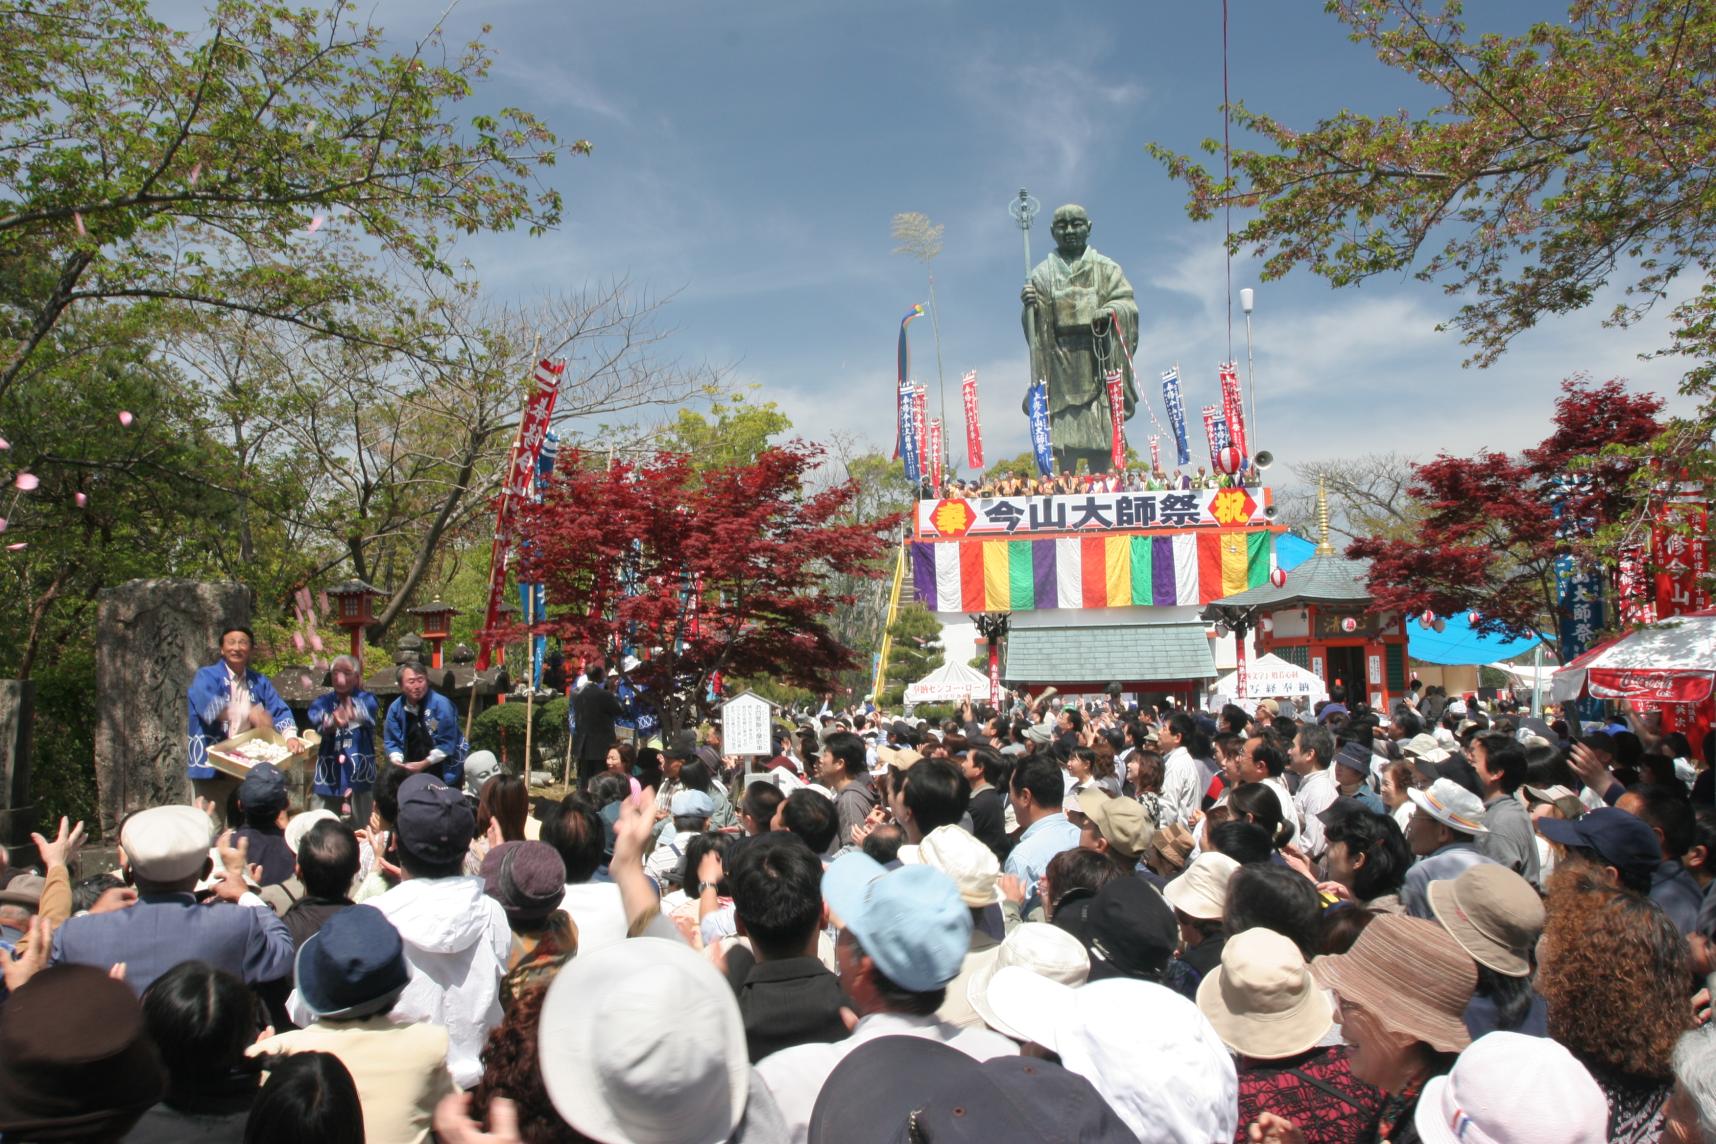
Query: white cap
(1424,748)
(1452,805)
(1509,1088)
(299,825)
(167,843)
(680,1073)
(1150,1053)
(956,853)
(1048,951)
(1201,891)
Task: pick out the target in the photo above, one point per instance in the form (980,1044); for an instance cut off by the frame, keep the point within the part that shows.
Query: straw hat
(1263,1001)
(1493,913)
(1411,974)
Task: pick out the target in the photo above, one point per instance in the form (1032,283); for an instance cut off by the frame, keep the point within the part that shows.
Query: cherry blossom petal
(26,482)
(18,547)
(78,219)
(196,172)
(315,224)
(125,418)
(82,499)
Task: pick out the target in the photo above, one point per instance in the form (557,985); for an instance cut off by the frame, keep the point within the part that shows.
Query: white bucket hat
(1509,1088)
(1452,805)
(956,853)
(681,1071)
(1048,951)
(1201,892)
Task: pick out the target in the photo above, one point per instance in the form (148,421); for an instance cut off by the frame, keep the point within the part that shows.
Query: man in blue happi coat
(226,699)
(422,729)
(345,764)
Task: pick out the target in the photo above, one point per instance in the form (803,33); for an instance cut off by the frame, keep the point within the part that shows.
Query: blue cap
(263,788)
(911,922)
(434,821)
(1624,841)
(692,804)
(354,966)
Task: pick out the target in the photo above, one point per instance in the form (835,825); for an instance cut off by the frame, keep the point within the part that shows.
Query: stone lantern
(437,621)
(354,603)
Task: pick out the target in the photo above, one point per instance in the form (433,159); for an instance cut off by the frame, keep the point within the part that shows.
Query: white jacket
(456,945)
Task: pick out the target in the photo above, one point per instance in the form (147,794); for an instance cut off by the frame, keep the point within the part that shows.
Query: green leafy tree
(264,166)
(917,651)
(734,432)
(1548,165)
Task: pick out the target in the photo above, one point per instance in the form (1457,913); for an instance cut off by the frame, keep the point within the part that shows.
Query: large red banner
(973,425)
(1117,416)
(920,419)
(532,429)
(1680,550)
(935,448)
(1233,408)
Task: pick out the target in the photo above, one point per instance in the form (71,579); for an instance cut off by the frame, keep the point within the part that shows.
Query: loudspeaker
(1269,511)
(1263,459)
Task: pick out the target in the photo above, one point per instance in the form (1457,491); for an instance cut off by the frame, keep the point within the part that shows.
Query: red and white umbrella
(1670,662)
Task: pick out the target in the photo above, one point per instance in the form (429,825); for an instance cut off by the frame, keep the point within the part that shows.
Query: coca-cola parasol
(1670,662)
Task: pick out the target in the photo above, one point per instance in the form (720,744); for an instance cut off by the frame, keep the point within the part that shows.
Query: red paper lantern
(1230,460)
(1427,619)
(1473,618)
(1278,577)
(1348,624)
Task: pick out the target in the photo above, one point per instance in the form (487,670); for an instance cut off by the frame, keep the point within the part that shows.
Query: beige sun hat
(1493,913)
(1263,1001)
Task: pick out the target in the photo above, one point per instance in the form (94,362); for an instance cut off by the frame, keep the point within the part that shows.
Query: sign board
(745,725)
(957,517)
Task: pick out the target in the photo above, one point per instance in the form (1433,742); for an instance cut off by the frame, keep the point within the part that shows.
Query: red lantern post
(354,611)
(437,621)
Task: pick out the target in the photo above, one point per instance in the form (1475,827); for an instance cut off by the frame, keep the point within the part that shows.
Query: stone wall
(151,637)
(17,816)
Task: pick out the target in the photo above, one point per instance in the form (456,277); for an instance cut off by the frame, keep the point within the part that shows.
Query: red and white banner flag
(1680,549)
(1233,407)
(515,486)
(920,419)
(1155,453)
(973,424)
(1117,416)
(935,449)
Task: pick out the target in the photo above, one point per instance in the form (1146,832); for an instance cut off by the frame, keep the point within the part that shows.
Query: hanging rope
(1227,176)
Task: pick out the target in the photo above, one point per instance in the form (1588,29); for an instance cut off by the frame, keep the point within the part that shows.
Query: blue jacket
(441,719)
(163,930)
(208,696)
(346,760)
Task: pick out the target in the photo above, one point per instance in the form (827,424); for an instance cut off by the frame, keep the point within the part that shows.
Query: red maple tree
(700,570)
(1490,534)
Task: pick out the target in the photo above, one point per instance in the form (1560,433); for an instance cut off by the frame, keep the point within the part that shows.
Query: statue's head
(1071,228)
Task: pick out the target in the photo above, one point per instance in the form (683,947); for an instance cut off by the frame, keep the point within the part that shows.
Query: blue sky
(750,156)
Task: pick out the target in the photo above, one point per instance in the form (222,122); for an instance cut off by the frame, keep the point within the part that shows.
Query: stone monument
(1071,304)
(151,637)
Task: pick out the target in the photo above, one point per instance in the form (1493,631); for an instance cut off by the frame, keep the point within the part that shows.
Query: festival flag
(1117,416)
(1041,448)
(935,443)
(1233,407)
(521,468)
(1680,551)
(973,425)
(1155,453)
(1209,431)
(908,451)
(903,365)
(1176,570)
(920,425)
(1176,414)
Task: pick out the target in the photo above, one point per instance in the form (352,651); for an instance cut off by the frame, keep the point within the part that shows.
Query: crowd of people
(1057,921)
(1131,480)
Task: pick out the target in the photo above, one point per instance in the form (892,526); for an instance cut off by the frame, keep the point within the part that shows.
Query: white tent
(949,683)
(1270,677)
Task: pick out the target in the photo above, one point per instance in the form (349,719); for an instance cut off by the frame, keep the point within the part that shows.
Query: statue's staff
(1024,209)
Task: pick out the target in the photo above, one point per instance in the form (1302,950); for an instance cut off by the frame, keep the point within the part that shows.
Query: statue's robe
(1071,295)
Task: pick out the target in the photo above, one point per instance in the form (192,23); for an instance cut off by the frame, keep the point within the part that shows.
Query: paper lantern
(1267,623)
(1473,618)
(1230,460)
(1441,625)
(1348,624)
(1278,577)
(1427,618)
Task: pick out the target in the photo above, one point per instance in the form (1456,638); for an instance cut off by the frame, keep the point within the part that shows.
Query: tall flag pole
(515,487)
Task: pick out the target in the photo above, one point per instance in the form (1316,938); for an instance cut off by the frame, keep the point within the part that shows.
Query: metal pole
(1024,209)
(1247,300)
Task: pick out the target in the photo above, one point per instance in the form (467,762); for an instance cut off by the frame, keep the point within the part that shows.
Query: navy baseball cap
(263,788)
(1624,841)
(354,966)
(435,822)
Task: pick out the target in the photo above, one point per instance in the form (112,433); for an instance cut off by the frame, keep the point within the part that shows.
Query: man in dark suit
(594,708)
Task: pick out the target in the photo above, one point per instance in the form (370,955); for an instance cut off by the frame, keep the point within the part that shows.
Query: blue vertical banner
(1579,599)
(1041,447)
(910,450)
(1176,414)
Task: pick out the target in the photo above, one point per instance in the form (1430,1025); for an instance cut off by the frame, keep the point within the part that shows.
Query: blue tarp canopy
(1457,644)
